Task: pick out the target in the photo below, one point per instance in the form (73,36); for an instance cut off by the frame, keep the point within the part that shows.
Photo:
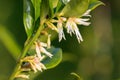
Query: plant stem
(26,48)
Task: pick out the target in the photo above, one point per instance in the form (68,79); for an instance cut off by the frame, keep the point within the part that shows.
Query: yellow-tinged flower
(35,63)
(51,25)
(72,22)
(72,27)
(40,48)
(24,76)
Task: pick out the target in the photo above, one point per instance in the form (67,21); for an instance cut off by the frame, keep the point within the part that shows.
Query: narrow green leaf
(59,6)
(94,4)
(36,4)
(51,8)
(44,10)
(55,2)
(28,17)
(74,76)
(47,9)
(75,8)
(55,60)
(8,40)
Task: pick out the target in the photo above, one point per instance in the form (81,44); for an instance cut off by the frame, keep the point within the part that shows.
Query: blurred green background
(96,58)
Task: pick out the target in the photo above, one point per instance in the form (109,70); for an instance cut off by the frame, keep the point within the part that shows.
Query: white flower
(71,25)
(72,28)
(35,63)
(40,48)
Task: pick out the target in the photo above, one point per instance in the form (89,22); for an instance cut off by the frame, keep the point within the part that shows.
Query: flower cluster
(40,48)
(70,24)
(34,62)
(50,19)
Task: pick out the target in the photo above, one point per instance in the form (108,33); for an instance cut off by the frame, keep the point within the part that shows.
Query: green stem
(26,48)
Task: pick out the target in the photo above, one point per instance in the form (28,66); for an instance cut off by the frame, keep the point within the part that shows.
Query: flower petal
(60,31)
(77,33)
(87,13)
(24,76)
(42,44)
(48,41)
(81,21)
(37,50)
(43,50)
(69,27)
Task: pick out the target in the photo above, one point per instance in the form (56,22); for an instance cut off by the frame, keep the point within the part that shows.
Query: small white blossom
(40,48)
(71,25)
(72,28)
(35,63)
(72,22)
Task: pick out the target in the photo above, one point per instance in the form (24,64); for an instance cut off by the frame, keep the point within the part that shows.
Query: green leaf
(28,17)
(9,42)
(94,4)
(47,9)
(51,8)
(49,62)
(44,10)
(43,38)
(52,5)
(55,2)
(55,60)
(74,76)
(75,8)
(59,6)
(36,4)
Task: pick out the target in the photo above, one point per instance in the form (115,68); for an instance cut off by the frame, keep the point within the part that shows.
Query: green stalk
(26,48)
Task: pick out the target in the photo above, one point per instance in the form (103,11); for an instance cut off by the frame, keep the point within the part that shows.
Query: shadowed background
(96,58)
